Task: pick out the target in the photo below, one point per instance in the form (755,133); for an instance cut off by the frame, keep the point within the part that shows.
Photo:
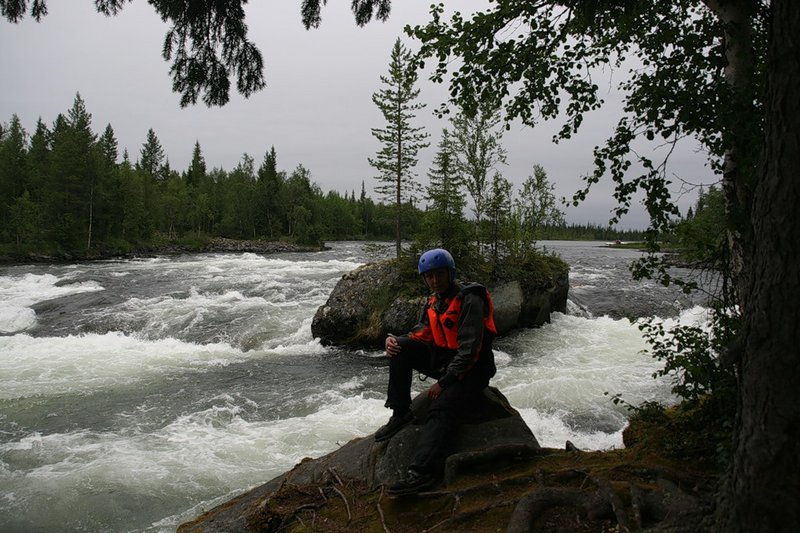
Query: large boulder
(491,430)
(373,301)
(525,304)
(367,304)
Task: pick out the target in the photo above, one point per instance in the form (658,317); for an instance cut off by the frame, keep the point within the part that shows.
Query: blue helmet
(437,258)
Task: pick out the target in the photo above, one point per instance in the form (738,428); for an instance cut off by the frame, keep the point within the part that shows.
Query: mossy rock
(368,303)
(384,297)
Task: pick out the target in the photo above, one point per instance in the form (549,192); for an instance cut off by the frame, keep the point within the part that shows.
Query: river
(135,394)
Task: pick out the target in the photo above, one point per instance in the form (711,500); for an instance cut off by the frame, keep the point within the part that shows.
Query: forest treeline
(67,190)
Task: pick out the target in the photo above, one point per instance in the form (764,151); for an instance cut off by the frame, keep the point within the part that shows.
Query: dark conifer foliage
(64,190)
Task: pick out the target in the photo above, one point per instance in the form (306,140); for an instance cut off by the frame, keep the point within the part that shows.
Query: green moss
(539,269)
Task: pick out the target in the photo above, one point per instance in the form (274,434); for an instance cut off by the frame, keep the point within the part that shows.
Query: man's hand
(392,346)
(434,391)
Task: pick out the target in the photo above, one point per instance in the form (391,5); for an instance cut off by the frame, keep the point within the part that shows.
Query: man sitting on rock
(453,344)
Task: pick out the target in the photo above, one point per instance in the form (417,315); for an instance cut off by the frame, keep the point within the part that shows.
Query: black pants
(444,412)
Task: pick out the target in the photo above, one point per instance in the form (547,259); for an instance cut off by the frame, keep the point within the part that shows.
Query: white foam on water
(246,300)
(14,318)
(299,342)
(561,372)
(199,455)
(89,362)
(167,315)
(551,431)
(254,269)
(19,293)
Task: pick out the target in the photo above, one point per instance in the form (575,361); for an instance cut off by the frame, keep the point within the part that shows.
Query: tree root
(540,498)
(666,507)
(458,463)
(346,504)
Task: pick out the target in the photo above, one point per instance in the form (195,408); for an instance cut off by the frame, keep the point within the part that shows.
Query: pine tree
(401,141)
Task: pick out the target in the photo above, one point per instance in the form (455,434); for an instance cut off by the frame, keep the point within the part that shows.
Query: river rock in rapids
(492,430)
(374,300)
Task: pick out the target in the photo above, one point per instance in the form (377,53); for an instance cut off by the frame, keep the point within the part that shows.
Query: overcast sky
(316,109)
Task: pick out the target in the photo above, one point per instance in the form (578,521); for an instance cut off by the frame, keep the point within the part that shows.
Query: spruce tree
(39,161)
(151,156)
(150,166)
(300,199)
(365,208)
(73,177)
(401,141)
(272,185)
(135,222)
(444,220)
(13,168)
(239,207)
(194,177)
(197,168)
(107,196)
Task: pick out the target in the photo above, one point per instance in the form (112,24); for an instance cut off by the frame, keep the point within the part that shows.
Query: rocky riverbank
(496,478)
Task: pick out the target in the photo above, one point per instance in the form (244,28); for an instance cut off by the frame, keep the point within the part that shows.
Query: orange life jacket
(444,327)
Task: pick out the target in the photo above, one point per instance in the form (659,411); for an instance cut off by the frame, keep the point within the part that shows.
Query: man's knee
(410,345)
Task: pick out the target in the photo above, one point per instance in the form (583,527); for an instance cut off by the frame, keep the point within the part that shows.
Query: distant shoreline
(215,245)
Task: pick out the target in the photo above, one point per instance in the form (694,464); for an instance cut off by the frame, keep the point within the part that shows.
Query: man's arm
(421,332)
